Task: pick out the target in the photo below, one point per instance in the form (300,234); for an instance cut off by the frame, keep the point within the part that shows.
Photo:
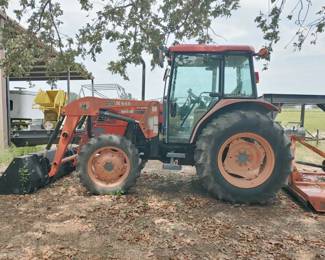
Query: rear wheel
(108,164)
(243,157)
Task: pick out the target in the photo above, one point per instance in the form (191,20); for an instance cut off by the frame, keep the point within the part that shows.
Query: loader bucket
(26,174)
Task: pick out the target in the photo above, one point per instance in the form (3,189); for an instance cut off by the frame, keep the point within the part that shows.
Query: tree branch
(56,27)
(41,15)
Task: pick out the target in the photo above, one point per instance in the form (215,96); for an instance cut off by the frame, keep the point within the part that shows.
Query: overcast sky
(290,72)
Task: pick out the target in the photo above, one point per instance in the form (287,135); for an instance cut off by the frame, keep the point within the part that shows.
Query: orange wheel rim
(246,160)
(108,166)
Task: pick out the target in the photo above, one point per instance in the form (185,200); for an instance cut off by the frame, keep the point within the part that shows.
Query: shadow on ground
(167,215)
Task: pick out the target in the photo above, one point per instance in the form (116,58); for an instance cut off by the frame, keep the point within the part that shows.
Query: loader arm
(143,113)
(66,137)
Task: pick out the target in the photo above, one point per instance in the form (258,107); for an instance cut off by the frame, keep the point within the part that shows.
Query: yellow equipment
(51,103)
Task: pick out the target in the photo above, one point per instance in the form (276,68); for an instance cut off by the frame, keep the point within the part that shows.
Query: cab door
(195,86)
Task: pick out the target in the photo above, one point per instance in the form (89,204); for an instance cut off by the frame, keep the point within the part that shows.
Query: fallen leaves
(164,217)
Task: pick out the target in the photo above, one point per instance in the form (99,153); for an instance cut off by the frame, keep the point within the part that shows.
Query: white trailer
(22,115)
(20,105)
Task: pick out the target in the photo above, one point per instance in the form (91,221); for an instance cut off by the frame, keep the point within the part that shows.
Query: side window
(238,77)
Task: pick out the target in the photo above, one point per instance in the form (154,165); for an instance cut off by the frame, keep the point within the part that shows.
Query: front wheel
(108,164)
(243,157)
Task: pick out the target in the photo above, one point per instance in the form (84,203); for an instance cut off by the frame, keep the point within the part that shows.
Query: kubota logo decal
(84,106)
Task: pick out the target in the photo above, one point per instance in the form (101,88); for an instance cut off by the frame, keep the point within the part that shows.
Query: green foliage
(307,28)
(118,193)
(138,27)
(24,178)
(40,43)
(144,26)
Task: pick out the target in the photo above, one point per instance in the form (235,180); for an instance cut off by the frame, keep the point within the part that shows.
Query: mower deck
(310,188)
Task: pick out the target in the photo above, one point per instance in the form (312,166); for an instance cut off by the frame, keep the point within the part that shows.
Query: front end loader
(210,118)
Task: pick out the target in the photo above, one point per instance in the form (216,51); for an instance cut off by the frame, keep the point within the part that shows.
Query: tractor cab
(202,75)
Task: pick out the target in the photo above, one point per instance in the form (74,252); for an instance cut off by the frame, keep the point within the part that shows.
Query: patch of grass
(8,154)
(314,118)
(304,154)
(24,178)
(118,193)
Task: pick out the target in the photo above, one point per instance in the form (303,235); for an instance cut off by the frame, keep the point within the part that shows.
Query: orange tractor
(210,118)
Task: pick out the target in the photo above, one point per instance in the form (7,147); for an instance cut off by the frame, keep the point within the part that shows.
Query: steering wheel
(190,103)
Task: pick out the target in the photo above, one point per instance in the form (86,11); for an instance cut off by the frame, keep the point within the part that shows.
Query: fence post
(302,115)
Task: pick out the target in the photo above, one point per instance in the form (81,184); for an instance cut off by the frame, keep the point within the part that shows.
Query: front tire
(108,164)
(243,157)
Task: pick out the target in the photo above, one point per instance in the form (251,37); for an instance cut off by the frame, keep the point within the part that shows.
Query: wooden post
(317,137)
(92,87)
(69,84)
(4,136)
(302,115)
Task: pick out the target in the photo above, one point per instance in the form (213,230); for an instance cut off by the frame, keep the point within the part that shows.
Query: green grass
(314,118)
(8,154)
(304,154)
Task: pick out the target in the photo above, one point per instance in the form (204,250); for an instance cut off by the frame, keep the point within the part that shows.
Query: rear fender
(226,105)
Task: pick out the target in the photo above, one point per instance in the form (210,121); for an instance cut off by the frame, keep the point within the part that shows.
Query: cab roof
(210,48)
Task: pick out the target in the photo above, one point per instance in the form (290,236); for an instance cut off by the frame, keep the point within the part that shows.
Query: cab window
(238,77)
(194,90)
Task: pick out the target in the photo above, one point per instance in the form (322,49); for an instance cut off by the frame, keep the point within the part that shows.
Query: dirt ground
(167,215)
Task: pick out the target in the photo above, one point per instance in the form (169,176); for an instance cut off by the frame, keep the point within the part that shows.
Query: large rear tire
(243,157)
(108,164)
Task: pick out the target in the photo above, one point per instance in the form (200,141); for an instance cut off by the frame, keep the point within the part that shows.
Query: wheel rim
(109,166)
(246,160)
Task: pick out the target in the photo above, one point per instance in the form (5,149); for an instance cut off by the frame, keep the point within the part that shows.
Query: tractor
(210,118)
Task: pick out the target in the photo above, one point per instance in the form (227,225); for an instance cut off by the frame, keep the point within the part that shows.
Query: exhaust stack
(143,93)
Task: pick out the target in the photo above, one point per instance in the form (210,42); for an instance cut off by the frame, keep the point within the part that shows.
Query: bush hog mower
(210,117)
(308,186)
